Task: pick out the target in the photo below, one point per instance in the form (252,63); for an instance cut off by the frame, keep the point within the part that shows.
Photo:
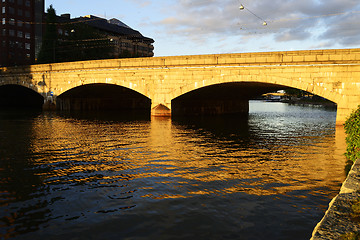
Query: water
(269,176)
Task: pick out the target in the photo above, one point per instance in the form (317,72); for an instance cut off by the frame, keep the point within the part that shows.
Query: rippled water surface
(269,176)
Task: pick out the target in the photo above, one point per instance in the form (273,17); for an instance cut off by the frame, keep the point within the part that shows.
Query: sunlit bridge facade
(179,85)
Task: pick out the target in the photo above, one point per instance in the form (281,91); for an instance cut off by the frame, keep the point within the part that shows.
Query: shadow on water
(19,182)
(107,116)
(19,114)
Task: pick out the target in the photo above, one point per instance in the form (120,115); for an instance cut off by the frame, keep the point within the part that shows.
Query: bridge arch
(96,77)
(235,88)
(102,96)
(273,83)
(19,96)
(20,82)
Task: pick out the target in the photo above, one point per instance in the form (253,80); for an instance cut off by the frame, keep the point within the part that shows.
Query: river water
(268,176)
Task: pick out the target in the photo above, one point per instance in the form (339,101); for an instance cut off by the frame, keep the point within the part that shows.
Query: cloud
(344,30)
(332,21)
(292,35)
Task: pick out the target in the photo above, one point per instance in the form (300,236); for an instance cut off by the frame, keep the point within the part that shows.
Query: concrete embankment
(337,220)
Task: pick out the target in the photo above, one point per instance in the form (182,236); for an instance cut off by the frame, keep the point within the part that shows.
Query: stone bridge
(216,83)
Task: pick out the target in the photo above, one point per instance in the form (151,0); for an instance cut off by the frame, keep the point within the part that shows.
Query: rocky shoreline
(337,222)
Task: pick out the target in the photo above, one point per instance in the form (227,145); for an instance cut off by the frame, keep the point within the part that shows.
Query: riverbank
(302,101)
(338,222)
(322,103)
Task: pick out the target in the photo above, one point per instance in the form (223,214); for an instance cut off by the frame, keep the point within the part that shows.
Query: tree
(295,92)
(49,45)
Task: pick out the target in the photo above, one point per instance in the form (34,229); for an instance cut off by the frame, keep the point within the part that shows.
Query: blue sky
(188,27)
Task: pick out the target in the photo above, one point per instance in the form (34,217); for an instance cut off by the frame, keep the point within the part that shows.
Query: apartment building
(127,41)
(22,25)
(20,31)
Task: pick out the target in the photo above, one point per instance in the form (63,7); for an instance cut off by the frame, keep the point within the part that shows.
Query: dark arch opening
(225,98)
(19,97)
(103,97)
(231,98)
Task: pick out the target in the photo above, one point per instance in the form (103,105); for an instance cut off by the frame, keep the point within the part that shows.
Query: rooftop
(112,26)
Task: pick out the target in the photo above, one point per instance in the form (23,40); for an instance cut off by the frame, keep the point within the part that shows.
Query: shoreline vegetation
(352,130)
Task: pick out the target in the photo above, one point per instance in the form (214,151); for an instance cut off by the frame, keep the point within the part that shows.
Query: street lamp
(242,8)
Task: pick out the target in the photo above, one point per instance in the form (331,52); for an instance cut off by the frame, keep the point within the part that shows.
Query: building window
(27,46)
(20,34)
(20,23)
(3,9)
(27,14)
(20,12)
(11,32)
(4,21)
(20,2)
(11,10)
(27,3)
(27,35)
(12,21)
(4,32)
(12,1)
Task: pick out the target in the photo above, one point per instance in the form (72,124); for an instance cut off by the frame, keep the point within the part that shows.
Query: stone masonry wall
(337,220)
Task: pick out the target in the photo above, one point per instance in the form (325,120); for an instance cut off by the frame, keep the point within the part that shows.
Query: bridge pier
(343,113)
(49,104)
(161,110)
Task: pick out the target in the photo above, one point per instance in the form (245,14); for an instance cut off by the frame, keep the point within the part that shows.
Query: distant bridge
(220,83)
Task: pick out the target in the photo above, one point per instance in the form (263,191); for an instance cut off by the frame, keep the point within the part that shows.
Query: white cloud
(327,21)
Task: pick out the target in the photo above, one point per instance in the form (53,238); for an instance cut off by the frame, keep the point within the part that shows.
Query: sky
(192,27)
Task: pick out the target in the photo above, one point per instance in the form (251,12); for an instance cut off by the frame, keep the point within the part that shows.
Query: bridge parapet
(336,56)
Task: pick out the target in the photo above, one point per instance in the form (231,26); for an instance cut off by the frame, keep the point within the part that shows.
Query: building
(20,31)
(127,41)
(23,24)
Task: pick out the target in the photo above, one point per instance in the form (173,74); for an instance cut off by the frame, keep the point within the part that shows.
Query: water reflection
(269,175)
